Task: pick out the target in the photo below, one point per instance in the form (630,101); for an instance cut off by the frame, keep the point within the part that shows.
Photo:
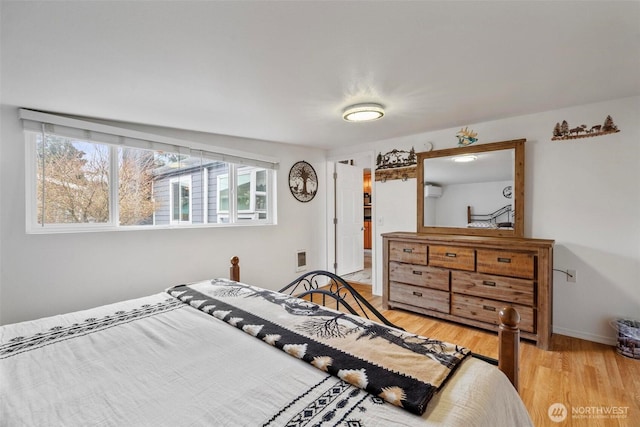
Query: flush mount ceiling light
(363,112)
(465,159)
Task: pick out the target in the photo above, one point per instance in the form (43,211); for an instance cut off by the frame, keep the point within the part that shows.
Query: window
(223,198)
(181,200)
(78,183)
(251,191)
(73,182)
(136,171)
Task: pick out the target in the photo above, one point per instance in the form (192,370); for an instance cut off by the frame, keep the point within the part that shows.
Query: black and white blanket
(156,361)
(402,368)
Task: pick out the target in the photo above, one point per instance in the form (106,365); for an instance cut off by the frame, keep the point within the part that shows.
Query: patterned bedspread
(156,361)
(401,368)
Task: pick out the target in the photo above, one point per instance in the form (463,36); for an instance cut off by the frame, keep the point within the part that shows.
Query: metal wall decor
(303,181)
(564,131)
(396,164)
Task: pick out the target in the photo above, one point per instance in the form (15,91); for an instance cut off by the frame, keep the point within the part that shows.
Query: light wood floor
(582,375)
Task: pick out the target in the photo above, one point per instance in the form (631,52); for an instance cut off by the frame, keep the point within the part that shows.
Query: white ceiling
(490,166)
(284,71)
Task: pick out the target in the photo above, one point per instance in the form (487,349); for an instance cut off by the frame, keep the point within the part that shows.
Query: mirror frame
(518,190)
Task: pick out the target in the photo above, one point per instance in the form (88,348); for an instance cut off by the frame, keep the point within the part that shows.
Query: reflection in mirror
(470,191)
(474,190)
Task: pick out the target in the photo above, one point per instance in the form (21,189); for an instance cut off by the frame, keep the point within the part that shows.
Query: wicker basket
(628,337)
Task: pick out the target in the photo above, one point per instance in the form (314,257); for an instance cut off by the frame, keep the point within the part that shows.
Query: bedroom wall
(583,193)
(43,275)
(483,197)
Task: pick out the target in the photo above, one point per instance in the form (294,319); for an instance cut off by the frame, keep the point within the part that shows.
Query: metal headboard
(328,285)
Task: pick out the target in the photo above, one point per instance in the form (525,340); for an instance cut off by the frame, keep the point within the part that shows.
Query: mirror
(483,196)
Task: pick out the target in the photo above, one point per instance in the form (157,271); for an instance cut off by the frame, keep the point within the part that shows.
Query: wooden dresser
(468,279)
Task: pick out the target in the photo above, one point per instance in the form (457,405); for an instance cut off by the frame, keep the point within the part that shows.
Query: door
(349,222)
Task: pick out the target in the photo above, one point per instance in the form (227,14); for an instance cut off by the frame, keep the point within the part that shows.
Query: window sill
(106,228)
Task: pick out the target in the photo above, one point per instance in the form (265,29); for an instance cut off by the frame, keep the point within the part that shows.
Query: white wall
(483,197)
(583,193)
(42,275)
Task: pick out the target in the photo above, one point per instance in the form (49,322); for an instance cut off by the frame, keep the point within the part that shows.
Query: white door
(349,223)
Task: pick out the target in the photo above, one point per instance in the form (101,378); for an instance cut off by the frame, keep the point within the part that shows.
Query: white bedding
(482,224)
(156,361)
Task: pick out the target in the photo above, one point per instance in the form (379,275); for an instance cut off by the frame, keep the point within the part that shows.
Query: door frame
(365,160)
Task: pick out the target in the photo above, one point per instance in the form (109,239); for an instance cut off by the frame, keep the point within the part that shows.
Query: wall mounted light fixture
(363,112)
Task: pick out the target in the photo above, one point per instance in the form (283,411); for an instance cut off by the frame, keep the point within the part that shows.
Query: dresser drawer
(508,289)
(419,275)
(419,297)
(505,263)
(411,253)
(486,310)
(452,257)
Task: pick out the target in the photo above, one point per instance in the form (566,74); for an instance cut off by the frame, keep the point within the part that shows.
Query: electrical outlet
(571,276)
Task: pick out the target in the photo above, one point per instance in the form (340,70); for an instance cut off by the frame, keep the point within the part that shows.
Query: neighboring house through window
(251,193)
(181,200)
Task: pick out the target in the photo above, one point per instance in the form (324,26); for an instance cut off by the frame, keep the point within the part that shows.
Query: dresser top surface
(471,240)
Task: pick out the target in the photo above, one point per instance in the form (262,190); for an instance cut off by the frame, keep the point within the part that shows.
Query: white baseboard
(586,336)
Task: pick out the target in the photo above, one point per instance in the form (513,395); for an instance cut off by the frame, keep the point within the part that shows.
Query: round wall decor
(507,191)
(303,181)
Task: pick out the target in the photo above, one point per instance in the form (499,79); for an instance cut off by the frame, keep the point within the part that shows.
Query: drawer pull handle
(507,260)
(418,294)
(408,250)
(488,283)
(489,308)
(451,254)
(417,273)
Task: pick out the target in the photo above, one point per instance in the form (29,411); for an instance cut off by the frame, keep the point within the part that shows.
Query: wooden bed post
(234,270)
(509,342)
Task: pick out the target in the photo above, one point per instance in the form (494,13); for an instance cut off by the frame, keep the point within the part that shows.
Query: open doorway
(364,276)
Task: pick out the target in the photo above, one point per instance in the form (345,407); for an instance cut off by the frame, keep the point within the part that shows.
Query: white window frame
(113,137)
(205,195)
(261,193)
(31,208)
(181,180)
(223,213)
(252,190)
(253,214)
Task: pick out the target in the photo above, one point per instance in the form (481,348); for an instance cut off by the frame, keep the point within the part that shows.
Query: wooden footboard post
(234,270)
(509,338)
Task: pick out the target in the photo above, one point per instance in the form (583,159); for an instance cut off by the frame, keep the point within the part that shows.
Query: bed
(502,218)
(220,352)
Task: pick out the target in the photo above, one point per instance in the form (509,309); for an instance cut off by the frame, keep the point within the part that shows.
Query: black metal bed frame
(492,218)
(329,285)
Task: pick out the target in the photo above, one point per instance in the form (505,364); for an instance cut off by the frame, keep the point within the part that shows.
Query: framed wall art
(303,181)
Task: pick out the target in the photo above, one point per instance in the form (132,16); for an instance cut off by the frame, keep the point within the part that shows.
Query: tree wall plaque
(303,181)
